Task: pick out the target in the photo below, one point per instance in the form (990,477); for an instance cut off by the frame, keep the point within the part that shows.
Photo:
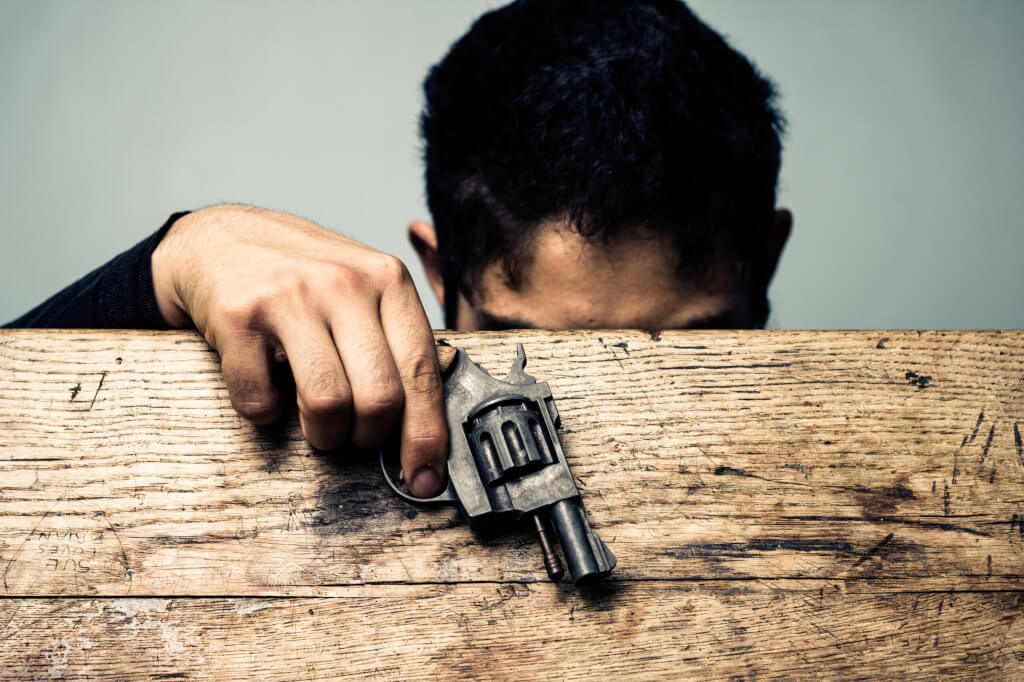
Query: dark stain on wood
(350,507)
(922,381)
(349,498)
(885,500)
(741,550)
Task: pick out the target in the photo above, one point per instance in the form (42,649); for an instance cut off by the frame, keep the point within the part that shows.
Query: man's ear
(782,225)
(423,238)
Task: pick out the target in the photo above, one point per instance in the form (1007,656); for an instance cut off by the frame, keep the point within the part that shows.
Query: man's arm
(265,287)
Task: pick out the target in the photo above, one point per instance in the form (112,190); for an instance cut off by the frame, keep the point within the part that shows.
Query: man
(588,164)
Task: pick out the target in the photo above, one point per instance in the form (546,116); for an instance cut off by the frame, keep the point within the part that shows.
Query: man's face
(570,282)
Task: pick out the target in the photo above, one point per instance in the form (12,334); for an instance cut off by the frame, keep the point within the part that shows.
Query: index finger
(424,447)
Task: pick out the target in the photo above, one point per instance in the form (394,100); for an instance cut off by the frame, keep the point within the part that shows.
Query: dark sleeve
(118,295)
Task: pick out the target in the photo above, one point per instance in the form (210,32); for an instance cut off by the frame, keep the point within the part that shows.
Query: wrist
(163,263)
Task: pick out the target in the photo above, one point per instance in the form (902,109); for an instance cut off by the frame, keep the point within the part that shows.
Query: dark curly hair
(612,114)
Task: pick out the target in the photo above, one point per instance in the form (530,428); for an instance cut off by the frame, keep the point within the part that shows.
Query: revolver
(505,461)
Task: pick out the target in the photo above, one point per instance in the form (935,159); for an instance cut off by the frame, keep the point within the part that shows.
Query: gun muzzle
(587,557)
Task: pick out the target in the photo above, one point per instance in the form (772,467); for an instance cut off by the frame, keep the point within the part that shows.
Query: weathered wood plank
(791,504)
(645,630)
(872,457)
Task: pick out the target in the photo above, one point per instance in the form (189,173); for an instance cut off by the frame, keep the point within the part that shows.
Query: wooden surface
(796,504)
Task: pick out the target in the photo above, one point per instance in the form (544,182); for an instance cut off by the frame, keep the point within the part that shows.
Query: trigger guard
(447,497)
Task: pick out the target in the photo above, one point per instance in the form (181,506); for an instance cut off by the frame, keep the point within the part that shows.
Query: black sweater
(118,295)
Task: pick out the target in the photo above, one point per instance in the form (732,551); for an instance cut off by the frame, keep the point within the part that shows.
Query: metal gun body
(505,460)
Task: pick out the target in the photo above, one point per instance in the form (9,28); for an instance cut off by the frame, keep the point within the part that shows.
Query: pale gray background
(902,162)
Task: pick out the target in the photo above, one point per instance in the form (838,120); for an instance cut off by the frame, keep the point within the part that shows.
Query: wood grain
(514,631)
(740,478)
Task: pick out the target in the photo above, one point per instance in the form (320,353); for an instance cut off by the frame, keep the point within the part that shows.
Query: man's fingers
(245,364)
(424,445)
(322,390)
(377,392)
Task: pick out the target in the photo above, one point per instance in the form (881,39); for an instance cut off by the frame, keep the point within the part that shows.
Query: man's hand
(263,286)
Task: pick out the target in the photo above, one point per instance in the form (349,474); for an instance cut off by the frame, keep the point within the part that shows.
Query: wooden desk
(799,504)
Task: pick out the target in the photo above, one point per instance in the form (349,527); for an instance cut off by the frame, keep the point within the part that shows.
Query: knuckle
(241,311)
(424,442)
(340,278)
(289,284)
(321,405)
(420,375)
(249,396)
(259,410)
(325,394)
(429,437)
(392,271)
(380,402)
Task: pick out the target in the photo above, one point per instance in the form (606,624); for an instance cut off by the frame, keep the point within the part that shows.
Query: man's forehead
(569,281)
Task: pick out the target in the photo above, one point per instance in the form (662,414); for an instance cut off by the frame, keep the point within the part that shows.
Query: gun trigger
(447,497)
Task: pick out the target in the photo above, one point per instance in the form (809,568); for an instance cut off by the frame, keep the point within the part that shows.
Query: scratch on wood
(988,443)
(732,471)
(968,439)
(29,537)
(14,612)
(1019,443)
(124,555)
(874,550)
(93,401)
(974,433)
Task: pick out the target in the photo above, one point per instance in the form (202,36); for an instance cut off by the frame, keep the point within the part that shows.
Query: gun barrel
(587,557)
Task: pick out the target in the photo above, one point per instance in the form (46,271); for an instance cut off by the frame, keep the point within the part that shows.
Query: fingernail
(425,483)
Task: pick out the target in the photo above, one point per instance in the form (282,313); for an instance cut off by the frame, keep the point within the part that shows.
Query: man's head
(601,163)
